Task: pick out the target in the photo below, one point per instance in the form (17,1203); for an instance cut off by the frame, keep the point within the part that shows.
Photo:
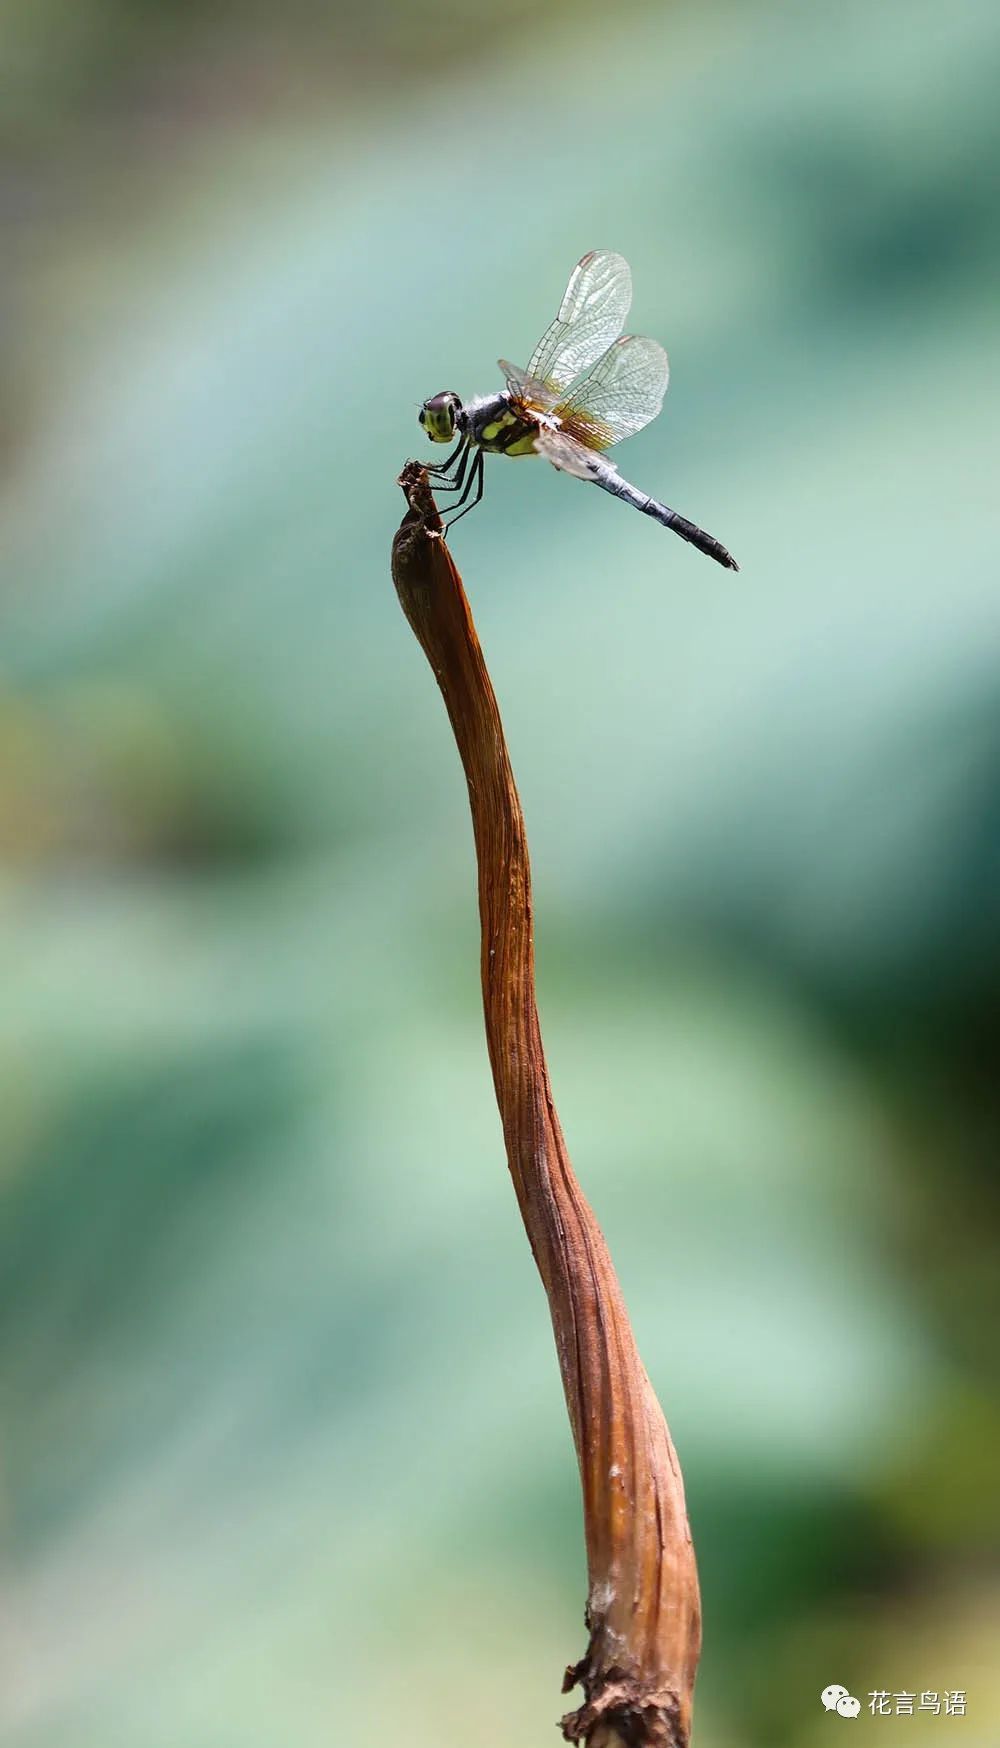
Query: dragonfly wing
(569,456)
(528,388)
(591,315)
(619,396)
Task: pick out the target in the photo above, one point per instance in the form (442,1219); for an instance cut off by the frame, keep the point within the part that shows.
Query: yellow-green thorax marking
(500,427)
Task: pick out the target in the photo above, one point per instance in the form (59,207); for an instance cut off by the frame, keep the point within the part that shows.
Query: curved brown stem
(643,1609)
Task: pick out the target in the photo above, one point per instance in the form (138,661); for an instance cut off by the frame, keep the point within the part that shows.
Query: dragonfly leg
(458,455)
(475,477)
(453,485)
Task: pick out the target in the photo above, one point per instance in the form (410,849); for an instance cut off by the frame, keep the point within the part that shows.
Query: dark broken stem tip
(416,487)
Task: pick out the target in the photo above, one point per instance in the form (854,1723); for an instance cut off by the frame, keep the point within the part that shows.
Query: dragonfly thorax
(498,424)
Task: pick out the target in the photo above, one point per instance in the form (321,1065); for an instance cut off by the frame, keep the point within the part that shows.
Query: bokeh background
(284,1452)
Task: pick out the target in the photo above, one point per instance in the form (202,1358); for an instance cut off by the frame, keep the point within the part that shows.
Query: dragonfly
(586,387)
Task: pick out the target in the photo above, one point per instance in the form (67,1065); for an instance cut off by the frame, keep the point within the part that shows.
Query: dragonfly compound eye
(437,417)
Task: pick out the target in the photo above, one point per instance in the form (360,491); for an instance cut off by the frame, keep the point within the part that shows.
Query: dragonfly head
(439,416)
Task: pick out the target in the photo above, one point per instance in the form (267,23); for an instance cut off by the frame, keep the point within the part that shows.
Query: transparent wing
(569,456)
(622,393)
(591,315)
(529,388)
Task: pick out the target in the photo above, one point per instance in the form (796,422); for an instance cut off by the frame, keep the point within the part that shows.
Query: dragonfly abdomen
(611,481)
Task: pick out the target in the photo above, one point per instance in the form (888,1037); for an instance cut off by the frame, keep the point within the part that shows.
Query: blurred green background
(284,1453)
